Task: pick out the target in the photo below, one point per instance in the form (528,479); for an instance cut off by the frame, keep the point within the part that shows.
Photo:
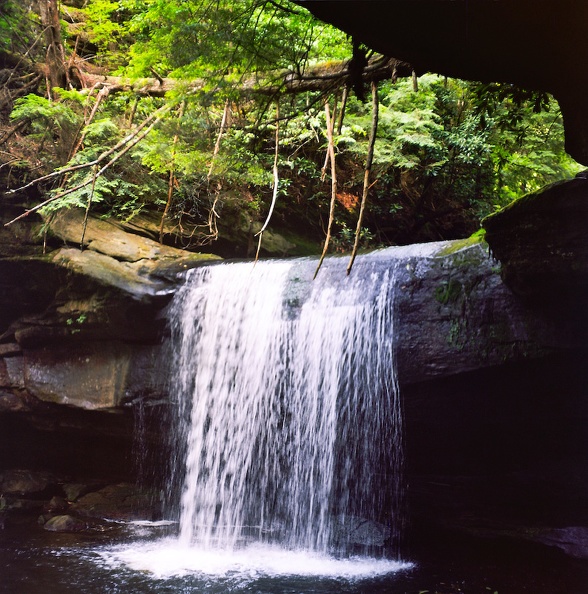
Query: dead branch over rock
(323,77)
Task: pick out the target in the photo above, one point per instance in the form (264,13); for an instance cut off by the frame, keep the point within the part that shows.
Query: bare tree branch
(330,122)
(366,175)
(276,181)
(135,140)
(59,172)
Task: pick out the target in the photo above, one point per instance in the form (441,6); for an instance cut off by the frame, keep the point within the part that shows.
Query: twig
(219,138)
(276,181)
(127,148)
(13,130)
(87,213)
(366,174)
(212,214)
(342,110)
(155,115)
(327,155)
(101,95)
(415,82)
(172,175)
(330,125)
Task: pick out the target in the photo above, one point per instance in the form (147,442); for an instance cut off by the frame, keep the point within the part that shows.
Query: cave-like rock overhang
(535,44)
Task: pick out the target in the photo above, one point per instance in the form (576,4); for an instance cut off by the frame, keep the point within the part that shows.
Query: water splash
(167,558)
(288,407)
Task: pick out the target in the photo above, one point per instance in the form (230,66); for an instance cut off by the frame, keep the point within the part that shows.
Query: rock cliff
(490,365)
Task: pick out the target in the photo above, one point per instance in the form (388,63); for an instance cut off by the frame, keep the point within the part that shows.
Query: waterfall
(288,413)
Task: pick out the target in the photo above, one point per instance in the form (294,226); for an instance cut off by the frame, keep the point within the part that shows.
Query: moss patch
(460,244)
(448,291)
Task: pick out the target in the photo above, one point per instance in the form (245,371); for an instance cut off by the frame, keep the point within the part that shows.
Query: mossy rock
(542,244)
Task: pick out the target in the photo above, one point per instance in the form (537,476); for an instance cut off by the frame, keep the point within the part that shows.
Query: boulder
(112,257)
(73,491)
(57,504)
(65,523)
(123,501)
(541,242)
(352,530)
(26,483)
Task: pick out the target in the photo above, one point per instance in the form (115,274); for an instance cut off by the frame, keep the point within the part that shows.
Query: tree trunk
(56,71)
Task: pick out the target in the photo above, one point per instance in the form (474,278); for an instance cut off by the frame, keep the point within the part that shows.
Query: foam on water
(168,558)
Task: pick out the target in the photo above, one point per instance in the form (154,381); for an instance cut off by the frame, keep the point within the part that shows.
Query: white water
(168,558)
(288,407)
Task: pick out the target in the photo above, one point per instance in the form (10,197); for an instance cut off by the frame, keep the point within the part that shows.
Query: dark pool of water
(137,560)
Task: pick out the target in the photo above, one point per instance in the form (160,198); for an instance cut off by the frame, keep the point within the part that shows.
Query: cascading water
(288,406)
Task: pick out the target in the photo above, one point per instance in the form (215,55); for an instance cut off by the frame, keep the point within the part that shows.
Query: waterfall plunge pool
(139,560)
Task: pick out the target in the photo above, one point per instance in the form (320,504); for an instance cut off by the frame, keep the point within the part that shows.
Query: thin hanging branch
(87,213)
(172,175)
(276,181)
(134,110)
(102,94)
(327,154)
(331,148)
(344,98)
(366,174)
(212,214)
(219,138)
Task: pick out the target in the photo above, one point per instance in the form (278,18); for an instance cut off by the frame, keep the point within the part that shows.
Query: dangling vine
(366,175)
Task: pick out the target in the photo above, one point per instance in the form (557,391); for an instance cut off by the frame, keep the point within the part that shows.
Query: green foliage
(445,155)
(224,41)
(50,122)
(44,113)
(16,30)
(106,24)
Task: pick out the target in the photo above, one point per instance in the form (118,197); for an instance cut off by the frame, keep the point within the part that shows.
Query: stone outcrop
(82,328)
(542,244)
(136,265)
(535,45)
(455,314)
(89,327)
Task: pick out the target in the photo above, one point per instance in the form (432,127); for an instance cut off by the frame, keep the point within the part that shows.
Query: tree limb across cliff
(322,77)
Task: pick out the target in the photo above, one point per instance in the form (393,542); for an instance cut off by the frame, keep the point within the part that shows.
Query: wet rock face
(536,45)
(454,314)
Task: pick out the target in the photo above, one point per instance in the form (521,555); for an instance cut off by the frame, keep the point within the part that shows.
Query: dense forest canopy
(210,115)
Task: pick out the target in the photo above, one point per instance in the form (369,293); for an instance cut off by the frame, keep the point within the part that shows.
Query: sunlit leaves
(228,38)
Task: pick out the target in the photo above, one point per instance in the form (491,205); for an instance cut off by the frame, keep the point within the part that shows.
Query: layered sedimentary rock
(93,338)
